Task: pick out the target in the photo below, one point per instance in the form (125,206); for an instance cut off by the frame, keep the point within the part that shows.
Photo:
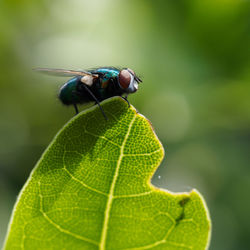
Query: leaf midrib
(112,188)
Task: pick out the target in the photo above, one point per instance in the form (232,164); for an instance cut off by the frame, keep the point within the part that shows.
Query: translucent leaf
(91,190)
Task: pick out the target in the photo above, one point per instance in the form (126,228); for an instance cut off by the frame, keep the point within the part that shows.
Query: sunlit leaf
(91,190)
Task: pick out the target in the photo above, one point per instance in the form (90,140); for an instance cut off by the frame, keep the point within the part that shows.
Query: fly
(95,85)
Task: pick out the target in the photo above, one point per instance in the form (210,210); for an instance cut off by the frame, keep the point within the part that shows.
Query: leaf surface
(91,190)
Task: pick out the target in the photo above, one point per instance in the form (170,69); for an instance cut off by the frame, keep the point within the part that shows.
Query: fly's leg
(126,99)
(75,93)
(98,103)
(76,108)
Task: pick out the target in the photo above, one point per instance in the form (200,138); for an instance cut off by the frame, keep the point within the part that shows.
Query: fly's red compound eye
(124,78)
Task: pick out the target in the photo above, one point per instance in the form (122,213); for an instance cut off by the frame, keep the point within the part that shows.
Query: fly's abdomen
(68,92)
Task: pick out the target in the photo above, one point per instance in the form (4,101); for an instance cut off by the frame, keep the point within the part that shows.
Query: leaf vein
(81,182)
(132,195)
(144,154)
(62,230)
(102,137)
(112,187)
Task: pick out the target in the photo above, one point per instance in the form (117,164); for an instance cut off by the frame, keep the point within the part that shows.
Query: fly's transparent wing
(63,72)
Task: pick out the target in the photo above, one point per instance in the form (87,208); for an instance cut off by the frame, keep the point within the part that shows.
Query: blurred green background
(194,59)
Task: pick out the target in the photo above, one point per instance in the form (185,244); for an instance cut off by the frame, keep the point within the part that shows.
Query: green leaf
(91,190)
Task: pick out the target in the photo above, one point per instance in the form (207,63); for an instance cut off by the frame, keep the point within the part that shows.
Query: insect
(95,85)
